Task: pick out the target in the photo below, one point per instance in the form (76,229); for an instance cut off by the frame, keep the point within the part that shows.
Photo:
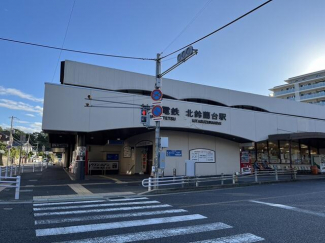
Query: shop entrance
(143,161)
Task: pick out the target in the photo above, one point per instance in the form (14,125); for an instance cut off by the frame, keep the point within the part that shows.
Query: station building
(223,131)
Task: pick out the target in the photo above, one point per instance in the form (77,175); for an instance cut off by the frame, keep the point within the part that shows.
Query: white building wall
(227,153)
(64,110)
(113,79)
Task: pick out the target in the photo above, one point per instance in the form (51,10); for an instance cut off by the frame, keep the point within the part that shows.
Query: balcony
(319,103)
(305,79)
(312,96)
(312,86)
(284,92)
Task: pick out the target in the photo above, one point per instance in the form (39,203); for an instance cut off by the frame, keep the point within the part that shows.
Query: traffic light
(144,115)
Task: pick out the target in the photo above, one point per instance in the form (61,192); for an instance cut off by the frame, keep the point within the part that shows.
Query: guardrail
(184,181)
(11,182)
(9,171)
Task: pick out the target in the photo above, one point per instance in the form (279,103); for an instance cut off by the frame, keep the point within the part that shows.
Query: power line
(217,30)
(115,102)
(185,28)
(76,51)
(65,36)
(99,106)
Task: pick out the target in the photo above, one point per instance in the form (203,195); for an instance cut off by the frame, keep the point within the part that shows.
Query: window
(305,158)
(284,152)
(274,152)
(295,153)
(262,153)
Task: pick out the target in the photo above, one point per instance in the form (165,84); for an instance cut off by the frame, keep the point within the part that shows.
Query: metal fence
(203,181)
(9,171)
(9,178)
(11,182)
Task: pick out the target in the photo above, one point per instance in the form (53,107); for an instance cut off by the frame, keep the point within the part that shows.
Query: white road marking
(128,199)
(115,225)
(65,203)
(155,234)
(95,205)
(79,189)
(242,238)
(101,210)
(273,204)
(26,190)
(110,216)
(320,214)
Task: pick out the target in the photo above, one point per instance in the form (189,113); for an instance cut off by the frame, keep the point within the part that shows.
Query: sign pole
(157,133)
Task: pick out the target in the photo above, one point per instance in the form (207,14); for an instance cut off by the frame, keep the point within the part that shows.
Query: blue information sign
(112,157)
(174,153)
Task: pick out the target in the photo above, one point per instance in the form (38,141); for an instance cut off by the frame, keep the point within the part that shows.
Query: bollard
(294,174)
(149,185)
(16,170)
(276,175)
(41,166)
(33,167)
(256,180)
(17,187)
(221,178)
(11,171)
(183,182)
(196,182)
(6,172)
(233,179)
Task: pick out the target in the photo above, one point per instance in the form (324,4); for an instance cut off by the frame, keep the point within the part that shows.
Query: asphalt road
(282,212)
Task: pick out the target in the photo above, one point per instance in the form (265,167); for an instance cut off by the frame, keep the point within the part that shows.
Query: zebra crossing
(97,221)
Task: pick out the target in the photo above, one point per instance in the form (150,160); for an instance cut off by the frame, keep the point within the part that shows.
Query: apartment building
(309,88)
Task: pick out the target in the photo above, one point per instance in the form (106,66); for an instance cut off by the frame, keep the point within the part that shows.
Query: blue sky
(281,40)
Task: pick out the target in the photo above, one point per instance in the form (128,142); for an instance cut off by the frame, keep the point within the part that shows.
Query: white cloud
(22,122)
(14,105)
(31,115)
(34,127)
(28,129)
(16,92)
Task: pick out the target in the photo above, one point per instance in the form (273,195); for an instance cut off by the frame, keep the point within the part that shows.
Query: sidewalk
(54,183)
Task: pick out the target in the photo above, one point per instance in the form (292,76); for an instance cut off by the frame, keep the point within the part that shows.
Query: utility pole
(37,151)
(157,133)
(10,143)
(181,58)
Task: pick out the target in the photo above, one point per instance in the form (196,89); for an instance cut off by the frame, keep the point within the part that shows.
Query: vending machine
(245,165)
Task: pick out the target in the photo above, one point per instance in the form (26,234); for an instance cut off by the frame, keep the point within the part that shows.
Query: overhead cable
(65,36)
(217,30)
(76,51)
(185,28)
(99,106)
(115,102)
